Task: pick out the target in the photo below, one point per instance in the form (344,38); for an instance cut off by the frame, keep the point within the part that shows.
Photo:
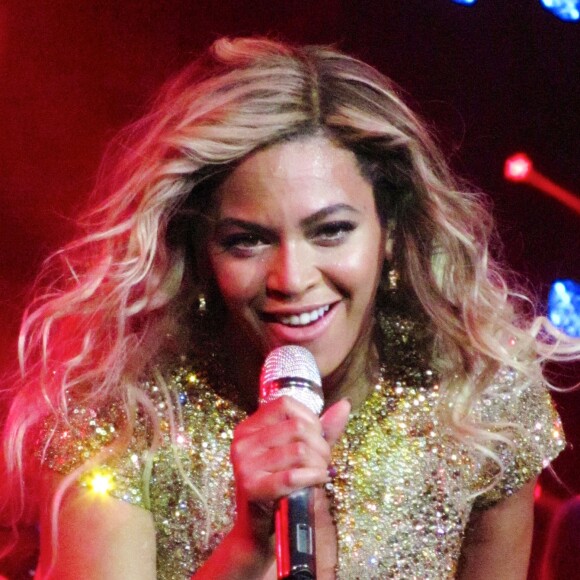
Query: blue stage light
(564,306)
(563,9)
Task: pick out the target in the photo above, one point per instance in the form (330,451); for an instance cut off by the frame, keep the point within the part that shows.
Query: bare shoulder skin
(498,540)
(97,537)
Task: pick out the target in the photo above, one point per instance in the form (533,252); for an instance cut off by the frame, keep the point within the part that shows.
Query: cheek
(238,282)
(359,272)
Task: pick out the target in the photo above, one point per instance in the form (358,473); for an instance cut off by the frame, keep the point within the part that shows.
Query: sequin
(403,486)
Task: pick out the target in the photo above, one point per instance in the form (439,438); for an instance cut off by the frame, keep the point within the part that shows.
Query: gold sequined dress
(404,485)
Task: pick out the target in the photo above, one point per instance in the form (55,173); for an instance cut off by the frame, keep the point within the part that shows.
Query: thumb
(334,420)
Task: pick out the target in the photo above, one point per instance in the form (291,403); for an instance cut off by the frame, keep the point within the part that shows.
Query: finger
(334,420)
(274,412)
(285,449)
(274,486)
(293,456)
(287,431)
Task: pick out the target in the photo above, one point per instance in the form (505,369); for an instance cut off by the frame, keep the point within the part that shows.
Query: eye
(333,233)
(243,244)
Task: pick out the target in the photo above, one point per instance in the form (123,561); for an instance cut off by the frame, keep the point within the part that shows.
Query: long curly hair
(121,295)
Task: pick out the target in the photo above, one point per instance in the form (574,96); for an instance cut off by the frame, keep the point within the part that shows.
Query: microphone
(291,371)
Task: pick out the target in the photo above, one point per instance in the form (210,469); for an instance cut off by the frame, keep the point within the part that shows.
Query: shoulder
(115,445)
(521,406)
(523,432)
(121,536)
(65,441)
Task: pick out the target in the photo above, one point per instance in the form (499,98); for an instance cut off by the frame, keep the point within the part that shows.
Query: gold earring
(201,303)
(393,278)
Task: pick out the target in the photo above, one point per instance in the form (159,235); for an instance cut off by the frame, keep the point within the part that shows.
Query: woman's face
(297,250)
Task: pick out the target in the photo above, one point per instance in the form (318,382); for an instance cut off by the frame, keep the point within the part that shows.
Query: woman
(280,195)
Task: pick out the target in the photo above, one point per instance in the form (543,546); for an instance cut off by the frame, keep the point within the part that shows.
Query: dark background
(495,78)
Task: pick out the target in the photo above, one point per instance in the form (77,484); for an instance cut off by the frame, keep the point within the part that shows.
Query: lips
(304,318)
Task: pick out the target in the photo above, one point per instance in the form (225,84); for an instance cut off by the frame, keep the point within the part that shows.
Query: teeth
(304,318)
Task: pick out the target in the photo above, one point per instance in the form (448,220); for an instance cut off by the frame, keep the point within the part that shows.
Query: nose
(292,270)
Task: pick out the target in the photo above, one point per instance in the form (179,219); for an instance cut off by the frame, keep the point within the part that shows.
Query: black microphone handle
(295,541)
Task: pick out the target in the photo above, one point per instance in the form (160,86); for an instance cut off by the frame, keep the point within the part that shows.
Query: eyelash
(334,232)
(245,244)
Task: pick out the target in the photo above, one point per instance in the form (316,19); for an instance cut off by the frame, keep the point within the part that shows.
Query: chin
(326,365)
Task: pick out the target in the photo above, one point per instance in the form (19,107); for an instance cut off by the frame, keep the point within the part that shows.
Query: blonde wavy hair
(122,295)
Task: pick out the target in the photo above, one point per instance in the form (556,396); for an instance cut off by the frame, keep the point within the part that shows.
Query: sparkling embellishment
(402,486)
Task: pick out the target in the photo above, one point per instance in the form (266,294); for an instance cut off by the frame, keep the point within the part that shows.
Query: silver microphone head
(291,371)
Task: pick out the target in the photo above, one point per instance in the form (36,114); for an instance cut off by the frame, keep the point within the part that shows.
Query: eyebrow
(306,222)
(243,224)
(327,211)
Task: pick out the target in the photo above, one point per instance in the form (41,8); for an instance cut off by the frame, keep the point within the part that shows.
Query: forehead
(305,175)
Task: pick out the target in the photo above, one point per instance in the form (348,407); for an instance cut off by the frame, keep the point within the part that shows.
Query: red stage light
(517,167)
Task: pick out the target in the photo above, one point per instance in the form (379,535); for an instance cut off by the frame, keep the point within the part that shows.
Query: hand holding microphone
(281,449)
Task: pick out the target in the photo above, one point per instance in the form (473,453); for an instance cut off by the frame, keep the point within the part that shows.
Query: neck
(356,375)
(242,371)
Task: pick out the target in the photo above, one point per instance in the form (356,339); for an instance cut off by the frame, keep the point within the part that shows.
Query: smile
(302,319)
